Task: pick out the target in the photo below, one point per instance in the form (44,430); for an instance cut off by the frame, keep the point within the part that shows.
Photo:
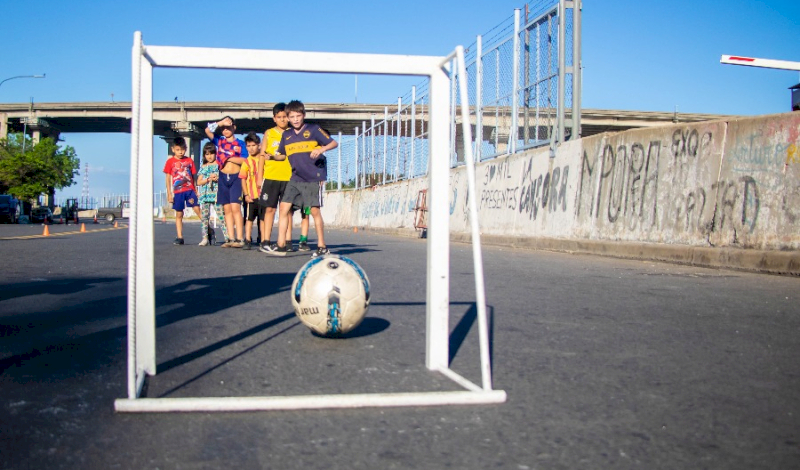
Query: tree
(41,169)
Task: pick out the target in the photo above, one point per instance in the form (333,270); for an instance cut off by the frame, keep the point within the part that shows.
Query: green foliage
(42,168)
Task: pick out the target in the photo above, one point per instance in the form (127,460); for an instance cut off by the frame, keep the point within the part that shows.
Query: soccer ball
(330,295)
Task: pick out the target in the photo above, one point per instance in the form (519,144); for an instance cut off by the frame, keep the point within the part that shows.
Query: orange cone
(46,232)
(95,219)
(83,228)
(116,224)
(355,229)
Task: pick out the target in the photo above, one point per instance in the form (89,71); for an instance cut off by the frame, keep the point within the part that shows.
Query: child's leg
(221,212)
(229,220)
(269,219)
(205,214)
(236,212)
(179,222)
(318,225)
(303,225)
(289,221)
(283,222)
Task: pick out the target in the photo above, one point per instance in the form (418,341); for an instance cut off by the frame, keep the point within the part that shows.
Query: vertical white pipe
(438,269)
(477,256)
(136,79)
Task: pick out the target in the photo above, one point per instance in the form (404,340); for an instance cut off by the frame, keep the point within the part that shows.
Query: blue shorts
(181,201)
(229,190)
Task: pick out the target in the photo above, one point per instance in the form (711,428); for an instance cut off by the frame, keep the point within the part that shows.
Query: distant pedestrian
(181,193)
(231,153)
(207,182)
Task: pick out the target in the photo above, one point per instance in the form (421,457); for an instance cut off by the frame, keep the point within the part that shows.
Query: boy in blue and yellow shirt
(305,146)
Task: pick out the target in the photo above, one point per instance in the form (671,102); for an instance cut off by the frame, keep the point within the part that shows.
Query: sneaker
(279,250)
(266,247)
(227,244)
(236,244)
(321,251)
(246,245)
(303,246)
(203,242)
(178,241)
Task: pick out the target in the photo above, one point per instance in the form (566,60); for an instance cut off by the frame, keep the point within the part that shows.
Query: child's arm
(320,150)
(168,179)
(201,180)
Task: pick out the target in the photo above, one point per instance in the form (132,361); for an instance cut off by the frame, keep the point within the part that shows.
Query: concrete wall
(723,184)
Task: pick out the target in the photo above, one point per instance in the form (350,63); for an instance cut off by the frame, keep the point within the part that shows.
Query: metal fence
(523,80)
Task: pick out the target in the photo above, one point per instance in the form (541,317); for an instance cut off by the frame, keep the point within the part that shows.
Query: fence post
(397,147)
(339,176)
(372,152)
(385,138)
(562,61)
(577,70)
(364,154)
(413,129)
(512,136)
(478,97)
(355,142)
(453,106)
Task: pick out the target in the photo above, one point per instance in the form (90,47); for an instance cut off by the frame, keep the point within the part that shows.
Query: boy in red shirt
(180,171)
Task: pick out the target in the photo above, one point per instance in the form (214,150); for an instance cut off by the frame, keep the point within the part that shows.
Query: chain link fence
(523,79)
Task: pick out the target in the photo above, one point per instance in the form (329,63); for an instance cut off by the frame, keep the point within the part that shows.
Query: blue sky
(637,55)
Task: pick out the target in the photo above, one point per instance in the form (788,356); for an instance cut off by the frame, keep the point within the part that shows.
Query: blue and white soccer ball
(330,295)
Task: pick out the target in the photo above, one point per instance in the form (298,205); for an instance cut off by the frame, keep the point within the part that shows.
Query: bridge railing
(522,77)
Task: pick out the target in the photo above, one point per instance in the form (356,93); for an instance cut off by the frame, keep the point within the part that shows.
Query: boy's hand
(170,198)
(316,152)
(248,199)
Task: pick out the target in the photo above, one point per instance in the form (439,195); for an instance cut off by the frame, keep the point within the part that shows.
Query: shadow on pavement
(49,345)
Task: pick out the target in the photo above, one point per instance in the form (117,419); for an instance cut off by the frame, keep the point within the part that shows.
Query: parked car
(121,211)
(9,209)
(41,215)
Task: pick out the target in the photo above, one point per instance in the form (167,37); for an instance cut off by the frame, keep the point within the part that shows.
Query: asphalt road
(607,363)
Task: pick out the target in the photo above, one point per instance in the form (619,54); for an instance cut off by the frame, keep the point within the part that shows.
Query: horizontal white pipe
(293,61)
(308,402)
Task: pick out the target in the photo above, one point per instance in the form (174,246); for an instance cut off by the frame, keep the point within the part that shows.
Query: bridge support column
(193,137)
(3,126)
(39,128)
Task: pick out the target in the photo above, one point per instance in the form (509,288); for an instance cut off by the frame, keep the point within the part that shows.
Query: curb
(785,263)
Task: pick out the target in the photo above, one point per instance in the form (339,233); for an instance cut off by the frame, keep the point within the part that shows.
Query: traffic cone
(355,229)
(95,219)
(83,228)
(116,224)
(46,232)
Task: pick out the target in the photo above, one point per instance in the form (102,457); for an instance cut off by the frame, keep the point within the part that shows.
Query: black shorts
(272,193)
(253,211)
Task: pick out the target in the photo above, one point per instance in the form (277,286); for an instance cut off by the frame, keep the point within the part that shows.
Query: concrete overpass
(188,119)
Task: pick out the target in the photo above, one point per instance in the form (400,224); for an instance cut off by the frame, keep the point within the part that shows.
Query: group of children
(285,175)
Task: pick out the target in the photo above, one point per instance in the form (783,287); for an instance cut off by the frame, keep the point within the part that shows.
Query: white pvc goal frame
(141,282)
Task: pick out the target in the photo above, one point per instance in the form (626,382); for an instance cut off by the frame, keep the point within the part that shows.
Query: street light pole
(24,76)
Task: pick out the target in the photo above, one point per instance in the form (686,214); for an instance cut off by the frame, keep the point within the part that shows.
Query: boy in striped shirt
(251,188)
